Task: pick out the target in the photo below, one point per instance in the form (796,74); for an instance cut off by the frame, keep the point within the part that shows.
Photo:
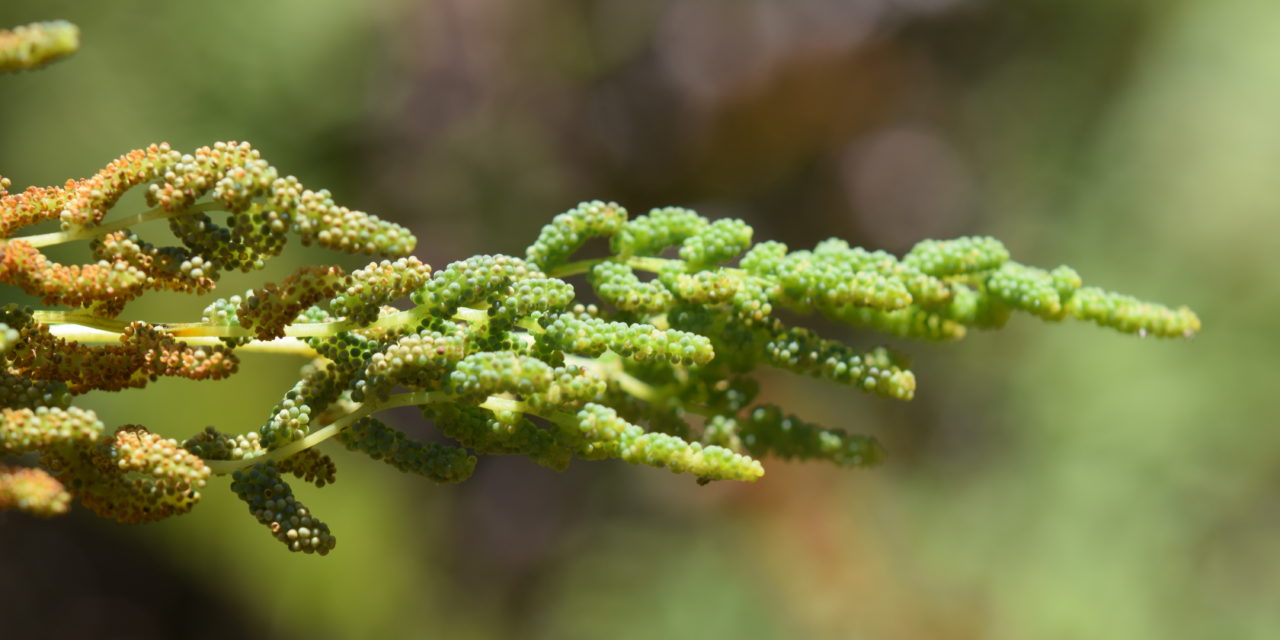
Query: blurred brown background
(1048,482)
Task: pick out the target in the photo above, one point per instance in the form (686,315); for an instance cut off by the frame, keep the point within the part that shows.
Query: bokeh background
(1048,482)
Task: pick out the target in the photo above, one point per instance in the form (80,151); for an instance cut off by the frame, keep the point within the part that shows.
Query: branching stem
(223,467)
(640,263)
(286,346)
(492,403)
(609,366)
(158,213)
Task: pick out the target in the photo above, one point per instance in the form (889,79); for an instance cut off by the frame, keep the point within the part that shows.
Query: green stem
(195,330)
(640,263)
(158,213)
(492,403)
(80,318)
(223,467)
(187,330)
(653,265)
(88,335)
(609,366)
(299,330)
(575,268)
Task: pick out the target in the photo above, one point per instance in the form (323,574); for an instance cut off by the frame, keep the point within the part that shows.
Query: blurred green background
(1048,482)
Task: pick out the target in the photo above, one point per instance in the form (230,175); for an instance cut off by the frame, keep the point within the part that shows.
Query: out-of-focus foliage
(1059,485)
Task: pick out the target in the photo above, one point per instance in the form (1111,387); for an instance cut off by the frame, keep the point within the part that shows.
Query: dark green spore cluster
(272,503)
(437,462)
